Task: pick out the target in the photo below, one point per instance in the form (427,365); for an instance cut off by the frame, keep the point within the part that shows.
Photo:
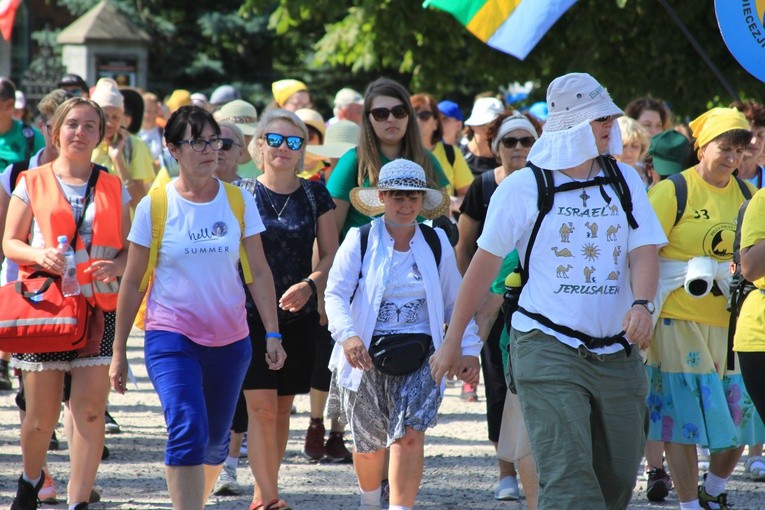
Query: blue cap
(539,110)
(450,109)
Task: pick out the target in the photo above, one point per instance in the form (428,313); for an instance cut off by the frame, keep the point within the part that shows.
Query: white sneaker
(507,489)
(226,484)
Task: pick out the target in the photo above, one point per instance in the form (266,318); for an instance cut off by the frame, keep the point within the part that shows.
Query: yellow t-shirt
(706,229)
(750,328)
(459,175)
(140,164)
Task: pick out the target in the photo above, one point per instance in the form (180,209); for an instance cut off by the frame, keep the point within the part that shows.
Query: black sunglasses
(604,119)
(511,142)
(228,143)
(382,114)
(275,140)
(425,115)
(199,145)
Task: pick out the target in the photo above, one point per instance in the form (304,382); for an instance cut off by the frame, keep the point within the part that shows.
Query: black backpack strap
(488,185)
(740,287)
(545,199)
(612,171)
(16,170)
(744,188)
(431,237)
(450,156)
(681,194)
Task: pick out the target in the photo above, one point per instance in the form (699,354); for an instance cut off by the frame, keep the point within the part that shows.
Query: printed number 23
(701,213)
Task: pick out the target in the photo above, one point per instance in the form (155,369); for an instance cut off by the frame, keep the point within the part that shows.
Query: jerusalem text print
(593,229)
(611,232)
(566,229)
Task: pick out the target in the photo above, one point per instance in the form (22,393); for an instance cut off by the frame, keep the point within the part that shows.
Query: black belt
(589,341)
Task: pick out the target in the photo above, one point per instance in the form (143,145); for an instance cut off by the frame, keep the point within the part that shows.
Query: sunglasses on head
(511,142)
(425,115)
(382,114)
(228,143)
(275,140)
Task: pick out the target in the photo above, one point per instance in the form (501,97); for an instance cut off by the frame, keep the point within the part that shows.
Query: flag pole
(698,48)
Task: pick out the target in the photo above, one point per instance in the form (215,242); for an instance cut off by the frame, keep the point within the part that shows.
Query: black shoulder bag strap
(488,185)
(89,190)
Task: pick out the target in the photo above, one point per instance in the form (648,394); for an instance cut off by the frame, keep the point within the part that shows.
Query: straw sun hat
(405,175)
(340,137)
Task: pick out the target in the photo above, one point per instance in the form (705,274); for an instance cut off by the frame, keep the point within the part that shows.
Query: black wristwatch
(310,283)
(646,303)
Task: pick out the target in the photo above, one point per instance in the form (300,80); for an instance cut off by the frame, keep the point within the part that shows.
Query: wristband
(273,334)
(311,283)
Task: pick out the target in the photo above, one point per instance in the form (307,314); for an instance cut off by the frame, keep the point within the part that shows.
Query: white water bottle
(69,284)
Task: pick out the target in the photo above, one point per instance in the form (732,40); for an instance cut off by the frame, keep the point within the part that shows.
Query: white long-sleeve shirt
(358,318)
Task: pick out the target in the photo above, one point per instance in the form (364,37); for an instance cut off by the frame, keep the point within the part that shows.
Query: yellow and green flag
(511,26)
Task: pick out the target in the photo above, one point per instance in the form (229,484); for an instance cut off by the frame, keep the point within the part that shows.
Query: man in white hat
(123,154)
(349,105)
(587,303)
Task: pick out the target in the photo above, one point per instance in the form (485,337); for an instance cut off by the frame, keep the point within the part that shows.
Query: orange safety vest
(53,215)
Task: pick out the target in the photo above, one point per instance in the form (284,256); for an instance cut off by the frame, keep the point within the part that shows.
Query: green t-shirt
(345,177)
(249,170)
(14,146)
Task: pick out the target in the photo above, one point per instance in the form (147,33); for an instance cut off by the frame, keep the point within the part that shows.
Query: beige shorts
(513,438)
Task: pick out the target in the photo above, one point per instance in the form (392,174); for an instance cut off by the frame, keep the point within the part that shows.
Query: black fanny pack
(399,354)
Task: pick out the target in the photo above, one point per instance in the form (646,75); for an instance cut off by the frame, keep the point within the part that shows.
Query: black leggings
(494,378)
(752,364)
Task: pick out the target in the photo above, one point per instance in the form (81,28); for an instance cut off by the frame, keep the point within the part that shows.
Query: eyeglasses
(604,119)
(511,142)
(382,114)
(228,143)
(275,140)
(425,115)
(199,145)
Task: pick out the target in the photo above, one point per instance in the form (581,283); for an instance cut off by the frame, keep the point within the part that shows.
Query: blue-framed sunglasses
(275,140)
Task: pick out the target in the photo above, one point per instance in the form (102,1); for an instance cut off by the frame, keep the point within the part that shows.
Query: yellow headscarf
(708,126)
(283,89)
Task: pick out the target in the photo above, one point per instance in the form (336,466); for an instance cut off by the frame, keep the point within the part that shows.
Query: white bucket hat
(485,110)
(341,137)
(574,100)
(405,175)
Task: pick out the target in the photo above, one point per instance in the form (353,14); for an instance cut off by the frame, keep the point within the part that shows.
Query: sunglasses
(228,143)
(511,142)
(382,114)
(275,140)
(199,145)
(604,119)
(425,115)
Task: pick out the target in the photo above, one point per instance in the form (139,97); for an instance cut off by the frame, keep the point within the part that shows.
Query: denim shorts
(198,387)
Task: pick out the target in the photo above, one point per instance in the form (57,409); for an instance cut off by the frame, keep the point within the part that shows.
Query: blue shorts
(198,388)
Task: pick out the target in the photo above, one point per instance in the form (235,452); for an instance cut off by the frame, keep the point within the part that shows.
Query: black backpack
(740,287)
(546,190)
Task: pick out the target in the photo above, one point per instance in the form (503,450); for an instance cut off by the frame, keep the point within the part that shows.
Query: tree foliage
(631,46)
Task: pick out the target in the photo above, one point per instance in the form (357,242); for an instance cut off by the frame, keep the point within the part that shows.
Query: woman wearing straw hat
(695,396)
(393,287)
(388,131)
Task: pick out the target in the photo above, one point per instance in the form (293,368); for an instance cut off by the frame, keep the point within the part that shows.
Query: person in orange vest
(70,196)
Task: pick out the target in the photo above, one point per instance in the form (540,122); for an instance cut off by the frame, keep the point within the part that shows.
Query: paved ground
(460,469)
